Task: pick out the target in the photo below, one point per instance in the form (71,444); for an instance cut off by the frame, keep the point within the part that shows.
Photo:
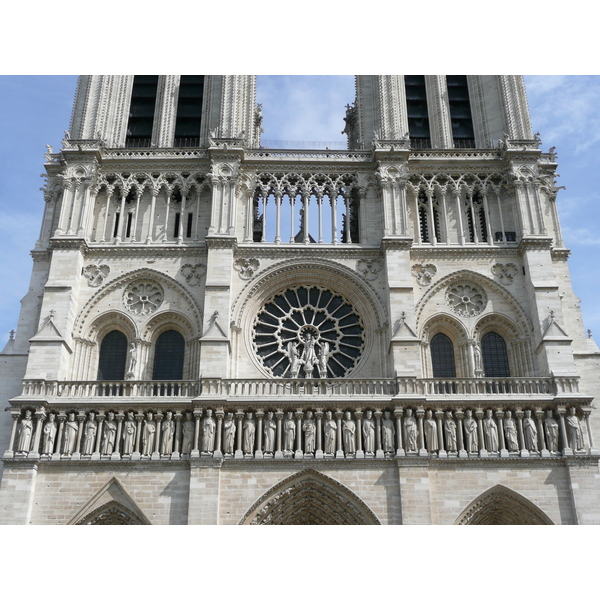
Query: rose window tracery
(466,300)
(308,331)
(143,297)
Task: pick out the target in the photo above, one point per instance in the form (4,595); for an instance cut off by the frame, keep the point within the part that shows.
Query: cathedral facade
(217,332)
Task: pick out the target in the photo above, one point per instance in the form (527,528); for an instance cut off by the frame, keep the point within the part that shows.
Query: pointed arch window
(169,353)
(141,111)
(426,228)
(476,219)
(417,112)
(495,356)
(113,356)
(442,357)
(460,111)
(189,111)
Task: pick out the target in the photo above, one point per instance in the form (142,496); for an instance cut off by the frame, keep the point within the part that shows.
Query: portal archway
(309,498)
(501,506)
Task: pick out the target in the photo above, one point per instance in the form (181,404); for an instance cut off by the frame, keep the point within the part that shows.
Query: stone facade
(220,333)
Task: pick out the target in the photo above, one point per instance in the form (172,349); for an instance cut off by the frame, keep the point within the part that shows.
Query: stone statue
(410,432)
(289,432)
(349,433)
(490,432)
(309,357)
(89,438)
(132,359)
(477,357)
(574,432)
(269,431)
(49,435)
(330,427)
(309,428)
(249,433)
(450,429)
(430,429)
(188,429)
(530,432)
(229,428)
(551,428)
(388,432)
(25,433)
(323,356)
(471,432)
(109,435)
(209,426)
(129,429)
(70,435)
(368,431)
(168,432)
(148,434)
(510,429)
(295,362)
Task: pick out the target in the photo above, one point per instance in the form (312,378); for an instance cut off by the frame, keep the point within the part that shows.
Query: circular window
(143,297)
(466,300)
(308,331)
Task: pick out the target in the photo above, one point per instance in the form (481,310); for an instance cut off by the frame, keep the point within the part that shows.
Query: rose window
(466,300)
(308,332)
(143,297)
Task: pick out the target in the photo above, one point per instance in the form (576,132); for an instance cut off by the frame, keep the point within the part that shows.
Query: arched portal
(309,498)
(501,506)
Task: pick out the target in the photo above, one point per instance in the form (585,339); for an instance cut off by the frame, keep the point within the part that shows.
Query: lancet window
(418,116)
(495,356)
(168,356)
(141,111)
(442,356)
(189,111)
(476,220)
(429,218)
(460,111)
(113,356)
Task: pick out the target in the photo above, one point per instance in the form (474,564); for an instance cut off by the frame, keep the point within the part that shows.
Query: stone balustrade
(373,430)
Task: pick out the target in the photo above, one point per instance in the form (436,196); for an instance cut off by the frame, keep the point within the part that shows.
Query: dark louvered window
(495,357)
(442,356)
(418,116)
(460,111)
(168,356)
(113,356)
(189,111)
(141,111)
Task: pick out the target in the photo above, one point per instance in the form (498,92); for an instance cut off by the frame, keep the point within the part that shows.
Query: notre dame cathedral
(218,332)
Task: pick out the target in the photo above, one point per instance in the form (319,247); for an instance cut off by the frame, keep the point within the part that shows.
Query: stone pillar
(156,454)
(501,443)
(459,430)
(299,453)
(239,451)
(421,441)
(541,438)
(482,449)
(196,449)
(586,415)
(561,410)
(116,455)
(62,417)
(439,414)
(34,450)
(399,445)
(96,454)
(259,433)
(378,448)
(359,449)
(524,451)
(10,452)
(319,433)
(138,434)
(338,419)
(81,420)
(218,453)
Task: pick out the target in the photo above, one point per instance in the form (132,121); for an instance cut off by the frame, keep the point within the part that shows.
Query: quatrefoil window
(308,331)
(143,297)
(466,300)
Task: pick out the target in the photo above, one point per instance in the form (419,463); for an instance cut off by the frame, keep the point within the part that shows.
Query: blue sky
(35,111)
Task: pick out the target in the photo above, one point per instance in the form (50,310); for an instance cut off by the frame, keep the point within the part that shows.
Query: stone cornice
(220,242)
(155,250)
(464,252)
(342,251)
(537,243)
(69,244)
(396,244)
(560,254)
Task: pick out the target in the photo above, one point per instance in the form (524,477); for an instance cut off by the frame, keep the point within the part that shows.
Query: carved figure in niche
(89,437)
(229,429)
(430,429)
(289,429)
(471,432)
(530,432)
(330,427)
(168,431)
(25,431)
(477,358)
(574,432)
(450,429)
(410,431)
(187,429)
(209,426)
(132,359)
(510,430)
(295,362)
(269,431)
(309,428)
(349,433)
(129,429)
(490,432)
(388,432)
(309,356)
(368,431)
(551,427)
(70,435)
(49,435)
(109,435)
(323,356)
(249,433)
(148,434)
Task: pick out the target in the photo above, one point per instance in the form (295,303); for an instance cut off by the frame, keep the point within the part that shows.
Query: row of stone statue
(301,433)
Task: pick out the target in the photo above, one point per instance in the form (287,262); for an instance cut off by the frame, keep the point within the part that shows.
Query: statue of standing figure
(209,426)
(431,435)
(129,429)
(471,432)
(148,435)
(109,435)
(309,356)
(229,428)
(530,432)
(289,432)
(269,430)
(574,432)
(295,363)
(450,430)
(25,433)
(388,432)
(89,438)
(330,427)
(410,432)
(70,435)
(49,435)
(309,428)
(323,357)
(510,429)
(249,433)
(168,433)
(132,360)
(551,428)
(349,433)
(368,431)
(490,432)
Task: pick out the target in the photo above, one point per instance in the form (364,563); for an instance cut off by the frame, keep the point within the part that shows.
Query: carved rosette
(246,267)
(424,273)
(369,268)
(193,273)
(466,299)
(505,273)
(95,274)
(143,297)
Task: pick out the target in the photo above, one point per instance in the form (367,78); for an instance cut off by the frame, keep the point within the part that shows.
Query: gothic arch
(454,330)
(309,498)
(501,506)
(112,513)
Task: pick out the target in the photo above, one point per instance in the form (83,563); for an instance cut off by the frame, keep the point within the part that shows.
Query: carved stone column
(299,453)
(479,416)
(459,430)
(541,439)
(258,453)
(421,442)
(218,453)
(378,448)
(501,443)
(586,415)
(239,451)
(34,449)
(319,433)
(196,449)
(116,455)
(100,419)
(62,417)
(399,445)
(81,420)
(359,449)
(10,452)
(439,415)
(138,434)
(561,410)
(524,451)
(338,418)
